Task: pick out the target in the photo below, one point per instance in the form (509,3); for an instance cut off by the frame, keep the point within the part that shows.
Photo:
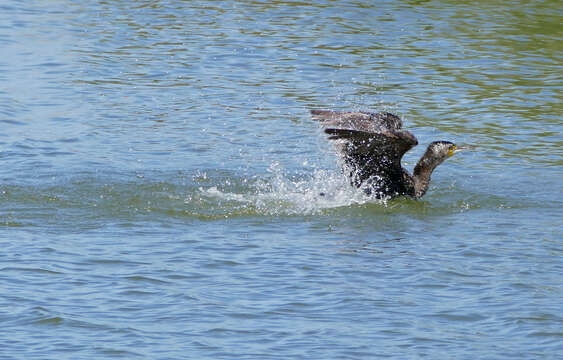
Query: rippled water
(160,181)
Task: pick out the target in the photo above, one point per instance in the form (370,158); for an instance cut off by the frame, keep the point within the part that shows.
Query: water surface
(160,181)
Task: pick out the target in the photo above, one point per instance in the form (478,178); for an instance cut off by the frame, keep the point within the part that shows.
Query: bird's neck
(421,174)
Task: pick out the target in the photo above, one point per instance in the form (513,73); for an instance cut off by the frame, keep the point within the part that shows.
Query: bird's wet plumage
(372,146)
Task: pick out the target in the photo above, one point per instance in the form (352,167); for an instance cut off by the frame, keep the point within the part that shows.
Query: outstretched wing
(371,143)
(383,149)
(358,120)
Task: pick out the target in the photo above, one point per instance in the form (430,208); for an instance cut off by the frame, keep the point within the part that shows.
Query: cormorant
(372,145)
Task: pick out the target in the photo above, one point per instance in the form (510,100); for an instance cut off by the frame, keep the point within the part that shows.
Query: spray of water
(284,194)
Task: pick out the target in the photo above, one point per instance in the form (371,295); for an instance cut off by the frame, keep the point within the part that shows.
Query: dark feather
(358,120)
(371,144)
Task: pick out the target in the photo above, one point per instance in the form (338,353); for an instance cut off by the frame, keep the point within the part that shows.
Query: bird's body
(372,145)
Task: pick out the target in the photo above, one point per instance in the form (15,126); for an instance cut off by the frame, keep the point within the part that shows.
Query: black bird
(372,145)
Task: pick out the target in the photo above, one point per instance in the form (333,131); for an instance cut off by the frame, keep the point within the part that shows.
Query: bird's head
(436,153)
(441,150)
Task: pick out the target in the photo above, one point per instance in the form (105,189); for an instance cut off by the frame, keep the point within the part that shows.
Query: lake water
(160,179)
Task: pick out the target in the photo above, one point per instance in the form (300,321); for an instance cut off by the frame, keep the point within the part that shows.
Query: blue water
(160,181)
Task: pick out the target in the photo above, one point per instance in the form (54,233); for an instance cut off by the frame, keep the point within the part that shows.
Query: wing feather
(372,146)
(358,120)
(389,145)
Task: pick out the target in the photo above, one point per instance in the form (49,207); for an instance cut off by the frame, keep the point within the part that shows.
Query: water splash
(285,194)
